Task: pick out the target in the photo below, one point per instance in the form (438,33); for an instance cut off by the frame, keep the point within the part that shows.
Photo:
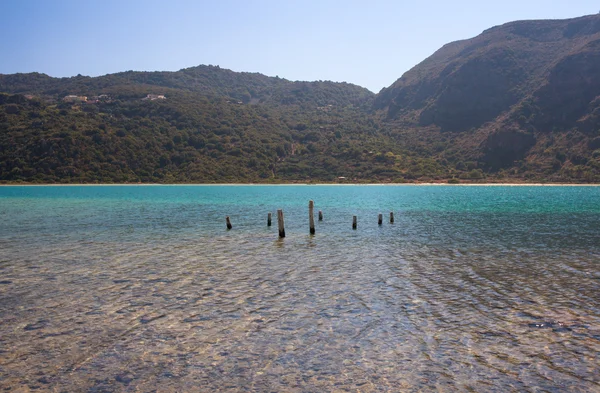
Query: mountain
(519,102)
(523,96)
(202,124)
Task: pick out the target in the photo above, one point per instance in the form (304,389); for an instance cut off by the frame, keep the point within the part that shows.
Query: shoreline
(304,184)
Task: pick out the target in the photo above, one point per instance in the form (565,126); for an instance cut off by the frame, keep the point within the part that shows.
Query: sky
(368,43)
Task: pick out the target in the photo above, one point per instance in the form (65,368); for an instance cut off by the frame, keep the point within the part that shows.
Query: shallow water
(141,288)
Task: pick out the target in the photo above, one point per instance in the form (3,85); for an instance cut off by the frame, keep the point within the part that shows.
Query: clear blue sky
(369,43)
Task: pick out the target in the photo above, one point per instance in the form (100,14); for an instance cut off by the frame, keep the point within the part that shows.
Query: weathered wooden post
(229,226)
(311,217)
(391,217)
(280,223)
(269,220)
(380,220)
(354,222)
(320,215)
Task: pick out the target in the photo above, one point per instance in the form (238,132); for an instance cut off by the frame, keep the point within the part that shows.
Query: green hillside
(520,102)
(188,137)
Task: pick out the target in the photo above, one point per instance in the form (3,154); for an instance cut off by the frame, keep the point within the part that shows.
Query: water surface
(142,288)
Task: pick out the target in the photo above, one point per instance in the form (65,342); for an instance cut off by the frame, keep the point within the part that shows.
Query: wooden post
(380,219)
(269,220)
(320,215)
(280,223)
(354,222)
(391,217)
(229,226)
(311,217)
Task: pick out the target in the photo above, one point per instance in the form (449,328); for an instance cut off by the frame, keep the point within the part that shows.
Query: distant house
(72,98)
(153,97)
(98,99)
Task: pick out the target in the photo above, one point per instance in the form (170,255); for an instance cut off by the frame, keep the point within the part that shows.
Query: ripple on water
(480,301)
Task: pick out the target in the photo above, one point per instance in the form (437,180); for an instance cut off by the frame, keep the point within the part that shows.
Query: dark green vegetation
(215,125)
(520,102)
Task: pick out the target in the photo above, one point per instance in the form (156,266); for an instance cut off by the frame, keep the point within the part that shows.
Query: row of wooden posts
(311,220)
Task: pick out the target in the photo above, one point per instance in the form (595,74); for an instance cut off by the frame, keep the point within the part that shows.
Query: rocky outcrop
(524,95)
(571,91)
(469,83)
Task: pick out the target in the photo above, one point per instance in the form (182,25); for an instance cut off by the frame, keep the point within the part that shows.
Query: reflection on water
(152,295)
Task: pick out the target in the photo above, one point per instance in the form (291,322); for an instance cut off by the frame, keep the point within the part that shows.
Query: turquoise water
(140,288)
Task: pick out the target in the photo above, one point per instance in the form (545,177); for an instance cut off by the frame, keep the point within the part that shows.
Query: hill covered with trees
(520,102)
(142,133)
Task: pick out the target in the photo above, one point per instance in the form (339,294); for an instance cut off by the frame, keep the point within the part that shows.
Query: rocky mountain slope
(523,96)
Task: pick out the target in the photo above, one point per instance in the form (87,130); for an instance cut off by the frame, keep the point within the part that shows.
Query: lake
(142,288)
